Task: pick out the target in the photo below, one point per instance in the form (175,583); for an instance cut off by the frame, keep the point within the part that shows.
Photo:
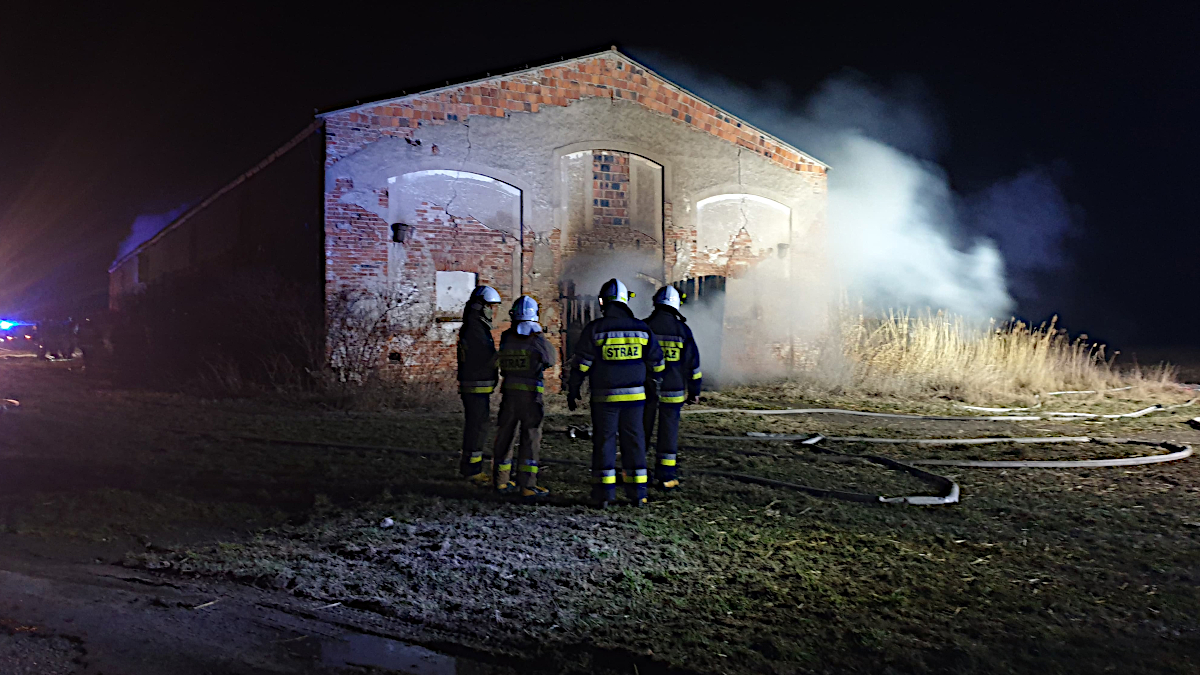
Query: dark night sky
(109,113)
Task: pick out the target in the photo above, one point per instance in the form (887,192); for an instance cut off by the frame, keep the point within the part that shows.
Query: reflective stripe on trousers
(667,439)
(477,411)
(639,476)
(614,425)
(524,409)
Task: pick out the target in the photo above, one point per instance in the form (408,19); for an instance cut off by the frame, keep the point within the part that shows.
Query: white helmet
(487,294)
(614,291)
(524,308)
(667,295)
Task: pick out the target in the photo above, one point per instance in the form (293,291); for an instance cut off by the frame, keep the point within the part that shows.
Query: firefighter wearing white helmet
(524,356)
(618,354)
(476,378)
(680,384)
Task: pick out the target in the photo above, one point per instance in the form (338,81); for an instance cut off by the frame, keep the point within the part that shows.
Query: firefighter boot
(534,494)
(667,486)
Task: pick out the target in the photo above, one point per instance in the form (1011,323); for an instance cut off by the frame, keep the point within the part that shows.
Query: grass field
(1080,570)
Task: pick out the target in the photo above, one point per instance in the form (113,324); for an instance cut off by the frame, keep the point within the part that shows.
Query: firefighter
(476,378)
(618,353)
(524,355)
(680,383)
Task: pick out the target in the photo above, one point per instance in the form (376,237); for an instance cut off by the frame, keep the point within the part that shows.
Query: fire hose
(1056,416)
(948,491)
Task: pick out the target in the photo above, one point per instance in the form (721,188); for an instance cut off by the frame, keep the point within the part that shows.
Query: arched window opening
(734,222)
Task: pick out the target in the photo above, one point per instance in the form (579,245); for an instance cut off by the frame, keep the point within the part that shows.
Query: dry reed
(944,355)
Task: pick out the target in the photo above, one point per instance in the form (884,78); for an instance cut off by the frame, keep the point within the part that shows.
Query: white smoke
(891,232)
(146,226)
(1032,201)
(641,271)
(895,239)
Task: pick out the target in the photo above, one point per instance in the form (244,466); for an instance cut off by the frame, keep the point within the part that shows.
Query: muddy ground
(123,512)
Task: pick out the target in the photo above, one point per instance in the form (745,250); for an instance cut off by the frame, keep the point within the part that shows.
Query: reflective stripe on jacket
(522,360)
(476,348)
(682,357)
(618,353)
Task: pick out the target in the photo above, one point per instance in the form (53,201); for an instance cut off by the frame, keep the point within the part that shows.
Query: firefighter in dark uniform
(680,383)
(524,355)
(476,379)
(618,353)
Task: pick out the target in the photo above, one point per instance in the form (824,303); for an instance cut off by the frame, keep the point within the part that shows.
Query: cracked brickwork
(608,75)
(610,189)
(359,246)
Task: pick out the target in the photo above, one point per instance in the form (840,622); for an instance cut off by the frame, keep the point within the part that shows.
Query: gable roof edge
(312,128)
(553,64)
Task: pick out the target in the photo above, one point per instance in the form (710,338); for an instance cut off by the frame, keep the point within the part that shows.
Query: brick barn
(547,181)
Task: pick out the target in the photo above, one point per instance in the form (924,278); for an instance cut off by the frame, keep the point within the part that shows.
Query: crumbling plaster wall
(528,152)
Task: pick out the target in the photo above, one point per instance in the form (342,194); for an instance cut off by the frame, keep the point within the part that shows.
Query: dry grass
(944,355)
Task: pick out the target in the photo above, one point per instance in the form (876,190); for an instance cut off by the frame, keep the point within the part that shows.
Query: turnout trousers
(522,408)
(610,422)
(666,446)
(477,409)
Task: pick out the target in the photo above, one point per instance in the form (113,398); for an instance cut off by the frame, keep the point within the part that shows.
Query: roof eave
(516,73)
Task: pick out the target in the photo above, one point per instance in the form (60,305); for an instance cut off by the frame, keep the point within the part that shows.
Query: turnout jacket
(618,353)
(522,359)
(476,349)
(682,375)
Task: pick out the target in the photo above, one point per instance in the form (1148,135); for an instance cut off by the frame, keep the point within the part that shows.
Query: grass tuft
(944,355)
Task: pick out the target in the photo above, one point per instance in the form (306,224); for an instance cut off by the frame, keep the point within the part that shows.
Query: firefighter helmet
(487,294)
(524,308)
(614,291)
(667,295)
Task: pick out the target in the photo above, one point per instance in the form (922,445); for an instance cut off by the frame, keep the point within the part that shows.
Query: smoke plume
(640,271)
(898,235)
(892,232)
(1029,219)
(146,226)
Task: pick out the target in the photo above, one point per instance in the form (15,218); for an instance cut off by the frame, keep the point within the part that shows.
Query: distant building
(545,181)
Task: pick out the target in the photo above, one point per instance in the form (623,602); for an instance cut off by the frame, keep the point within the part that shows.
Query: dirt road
(61,617)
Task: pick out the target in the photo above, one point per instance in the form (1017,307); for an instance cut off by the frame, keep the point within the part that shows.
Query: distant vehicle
(57,339)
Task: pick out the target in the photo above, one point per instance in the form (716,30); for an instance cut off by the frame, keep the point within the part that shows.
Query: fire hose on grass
(1055,416)
(948,490)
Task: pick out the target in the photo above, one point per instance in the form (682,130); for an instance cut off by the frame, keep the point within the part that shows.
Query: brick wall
(459,243)
(605,76)
(610,189)
(358,241)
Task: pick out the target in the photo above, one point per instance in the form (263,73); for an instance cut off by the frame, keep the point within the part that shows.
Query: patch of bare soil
(25,650)
(522,578)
